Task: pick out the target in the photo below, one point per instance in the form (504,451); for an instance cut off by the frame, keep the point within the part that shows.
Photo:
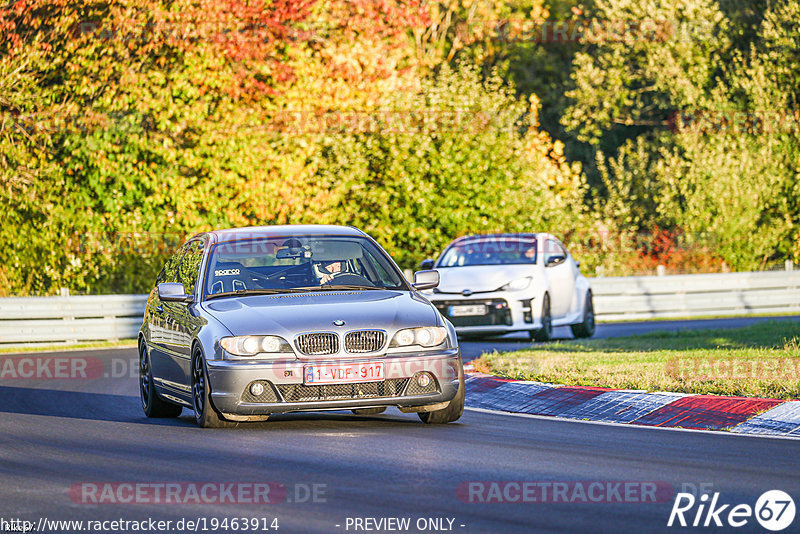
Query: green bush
(491,170)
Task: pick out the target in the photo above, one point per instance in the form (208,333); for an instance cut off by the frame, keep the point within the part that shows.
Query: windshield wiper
(245,292)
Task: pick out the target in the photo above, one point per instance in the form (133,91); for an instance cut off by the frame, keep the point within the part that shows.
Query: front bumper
(507,312)
(284,390)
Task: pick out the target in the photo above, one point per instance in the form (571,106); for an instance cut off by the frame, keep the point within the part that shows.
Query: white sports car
(500,283)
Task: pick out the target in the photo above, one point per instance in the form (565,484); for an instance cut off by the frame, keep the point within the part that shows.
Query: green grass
(69,346)
(762,360)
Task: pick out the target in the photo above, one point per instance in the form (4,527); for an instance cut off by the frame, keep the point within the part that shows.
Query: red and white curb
(746,415)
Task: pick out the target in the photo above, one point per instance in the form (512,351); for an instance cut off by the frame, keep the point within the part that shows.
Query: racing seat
(230,276)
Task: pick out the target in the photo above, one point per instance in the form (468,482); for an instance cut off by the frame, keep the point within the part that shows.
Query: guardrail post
(789,265)
(68,317)
(661,270)
(115,335)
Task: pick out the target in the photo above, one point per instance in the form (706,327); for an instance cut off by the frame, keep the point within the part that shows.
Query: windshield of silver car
(299,263)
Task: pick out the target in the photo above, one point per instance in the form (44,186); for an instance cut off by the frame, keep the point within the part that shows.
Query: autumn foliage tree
(126,125)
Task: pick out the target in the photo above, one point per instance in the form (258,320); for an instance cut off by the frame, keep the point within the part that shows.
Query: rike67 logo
(774,510)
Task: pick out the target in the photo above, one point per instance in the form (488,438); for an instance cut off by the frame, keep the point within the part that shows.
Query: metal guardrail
(696,295)
(36,320)
(70,319)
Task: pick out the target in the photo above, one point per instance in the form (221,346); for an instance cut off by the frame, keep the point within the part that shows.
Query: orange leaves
(378,18)
(275,45)
(266,47)
(253,30)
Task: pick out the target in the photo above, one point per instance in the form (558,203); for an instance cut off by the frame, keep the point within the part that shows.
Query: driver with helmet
(324,271)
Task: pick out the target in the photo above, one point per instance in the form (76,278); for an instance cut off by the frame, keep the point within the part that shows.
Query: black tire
(545,333)
(454,410)
(204,413)
(152,404)
(368,411)
(586,327)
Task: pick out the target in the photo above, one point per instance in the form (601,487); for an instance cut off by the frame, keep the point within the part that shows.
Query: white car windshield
(489,251)
(299,263)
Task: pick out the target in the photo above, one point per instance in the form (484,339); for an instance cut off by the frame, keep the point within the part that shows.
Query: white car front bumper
(506,311)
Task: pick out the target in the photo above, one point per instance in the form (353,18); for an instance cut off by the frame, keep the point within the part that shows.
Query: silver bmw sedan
(247,322)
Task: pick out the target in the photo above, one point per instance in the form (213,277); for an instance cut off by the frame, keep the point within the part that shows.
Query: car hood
(290,314)
(480,277)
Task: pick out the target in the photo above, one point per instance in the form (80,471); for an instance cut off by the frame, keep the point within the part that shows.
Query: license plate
(344,373)
(463,311)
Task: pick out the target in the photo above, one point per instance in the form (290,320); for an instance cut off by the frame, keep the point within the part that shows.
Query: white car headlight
(426,336)
(256,345)
(517,285)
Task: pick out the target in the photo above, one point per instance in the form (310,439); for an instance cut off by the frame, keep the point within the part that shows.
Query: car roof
(283,230)
(488,237)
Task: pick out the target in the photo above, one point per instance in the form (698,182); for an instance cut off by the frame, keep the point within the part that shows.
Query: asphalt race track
(65,433)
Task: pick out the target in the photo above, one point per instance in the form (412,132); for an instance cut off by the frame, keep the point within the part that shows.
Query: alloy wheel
(145,378)
(198,385)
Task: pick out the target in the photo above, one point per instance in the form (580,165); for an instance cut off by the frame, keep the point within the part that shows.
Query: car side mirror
(555,260)
(173,292)
(426,265)
(426,279)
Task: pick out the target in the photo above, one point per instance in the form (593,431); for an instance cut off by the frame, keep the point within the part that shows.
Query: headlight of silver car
(426,336)
(517,285)
(264,346)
